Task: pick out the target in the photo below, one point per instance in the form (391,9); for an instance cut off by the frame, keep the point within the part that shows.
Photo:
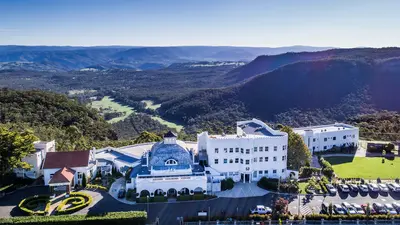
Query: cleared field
(108,105)
(365,167)
(168,124)
(150,105)
(78,92)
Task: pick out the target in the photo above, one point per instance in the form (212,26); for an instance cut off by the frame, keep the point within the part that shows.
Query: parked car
(121,193)
(373,187)
(344,188)
(338,209)
(353,187)
(363,188)
(349,208)
(358,208)
(260,209)
(394,187)
(325,207)
(383,188)
(366,207)
(379,208)
(390,209)
(396,206)
(331,189)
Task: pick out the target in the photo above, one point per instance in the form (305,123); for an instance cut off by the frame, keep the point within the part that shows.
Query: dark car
(353,187)
(325,208)
(121,193)
(379,208)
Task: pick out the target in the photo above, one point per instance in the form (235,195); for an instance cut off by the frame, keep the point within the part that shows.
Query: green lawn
(167,123)
(108,104)
(365,167)
(150,105)
(302,187)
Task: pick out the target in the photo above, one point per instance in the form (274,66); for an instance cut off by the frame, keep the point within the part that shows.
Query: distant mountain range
(299,89)
(59,58)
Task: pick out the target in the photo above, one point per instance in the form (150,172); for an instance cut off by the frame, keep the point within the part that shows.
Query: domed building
(168,169)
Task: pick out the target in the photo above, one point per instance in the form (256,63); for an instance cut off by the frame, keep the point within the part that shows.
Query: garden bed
(37,205)
(75,202)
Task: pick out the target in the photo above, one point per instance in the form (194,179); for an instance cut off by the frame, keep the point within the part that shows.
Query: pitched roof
(63,175)
(170,134)
(66,159)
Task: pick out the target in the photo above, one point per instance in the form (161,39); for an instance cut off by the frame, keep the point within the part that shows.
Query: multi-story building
(324,137)
(36,159)
(255,151)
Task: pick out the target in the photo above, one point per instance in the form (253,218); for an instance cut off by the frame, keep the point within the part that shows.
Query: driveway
(242,190)
(115,187)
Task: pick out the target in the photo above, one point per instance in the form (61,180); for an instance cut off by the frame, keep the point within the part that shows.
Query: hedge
(95,186)
(268,183)
(307,171)
(114,218)
(27,204)
(79,201)
(349,217)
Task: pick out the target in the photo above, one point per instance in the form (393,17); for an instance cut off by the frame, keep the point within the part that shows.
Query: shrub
(75,198)
(184,198)
(95,186)
(268,183)
(159,198)
(308,171)
(198,197)
(227,184)
(28,204)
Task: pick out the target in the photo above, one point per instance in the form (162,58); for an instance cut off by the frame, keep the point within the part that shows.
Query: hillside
(302,93)
(267,63)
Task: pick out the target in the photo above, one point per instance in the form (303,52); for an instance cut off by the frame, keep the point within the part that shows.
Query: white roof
(325,128)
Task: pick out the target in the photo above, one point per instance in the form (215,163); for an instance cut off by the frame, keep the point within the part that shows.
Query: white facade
(36,159)
(254,152)
(325,137)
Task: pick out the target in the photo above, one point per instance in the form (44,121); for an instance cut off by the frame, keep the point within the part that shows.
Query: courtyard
(365,167)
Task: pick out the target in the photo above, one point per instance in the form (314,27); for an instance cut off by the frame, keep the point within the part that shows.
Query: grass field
(150,105)
(302,187)
(110,105)
(168,124)
(365,167)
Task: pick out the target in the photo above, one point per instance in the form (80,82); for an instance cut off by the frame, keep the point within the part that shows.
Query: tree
(330,209)
(84,180)
(147,137)
(298,154)
(14,146)
(281,206)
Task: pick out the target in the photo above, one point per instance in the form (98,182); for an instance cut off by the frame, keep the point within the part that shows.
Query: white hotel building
(325,137)
(254,151)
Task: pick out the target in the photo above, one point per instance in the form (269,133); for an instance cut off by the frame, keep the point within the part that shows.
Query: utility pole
(209,211)
(147,205)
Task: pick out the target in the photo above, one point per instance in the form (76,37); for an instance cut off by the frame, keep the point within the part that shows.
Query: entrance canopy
(62,177)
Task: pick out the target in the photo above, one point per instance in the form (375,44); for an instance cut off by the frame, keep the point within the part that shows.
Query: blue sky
(338,23)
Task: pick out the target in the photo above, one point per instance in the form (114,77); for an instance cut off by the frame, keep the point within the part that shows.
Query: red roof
(63,175)
(66,159)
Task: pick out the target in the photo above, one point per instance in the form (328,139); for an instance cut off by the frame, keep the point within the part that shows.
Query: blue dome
(161,152)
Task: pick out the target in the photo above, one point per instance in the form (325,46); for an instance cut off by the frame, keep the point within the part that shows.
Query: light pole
(147,205)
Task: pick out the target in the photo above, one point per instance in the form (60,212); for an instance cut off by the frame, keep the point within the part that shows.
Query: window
(266,148)
(274,158)
(313,148)
(215,161)
(334,138)
(216,150)
(225,161)
(79,175)
(247,151)
(260,172)
(313,139)
(171,162)
(247,162)
(255,160)
(354,136)
(237,160)
(231,150)
(325,139)
(241,161)
(275,148)
(325,147)
(260,159)
(283,170)
(261,149)
(274,171)
(255,174)
(344,137)
(265,172)
(226,150)
(231,161)
(51,175)
(283,158)
(241,150)
(255,149)
(284,147)
(266,159)
(236,149)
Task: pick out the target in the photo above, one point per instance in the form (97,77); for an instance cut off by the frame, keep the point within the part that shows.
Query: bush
(131,194)
(184,198)
(78,200)
(28,204)
(308,171)
(327,168)
(159,198)
(227,184)
(198,197)
(95,186)
(268,183)
(114,218)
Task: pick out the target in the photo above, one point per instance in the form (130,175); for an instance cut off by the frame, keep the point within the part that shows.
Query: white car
(373,187)
(363,188)
(260,209)
(339,210)
(358,208)
(389,208)
(396,206)
(331,189)
(344,188)
(395,187)
(349,208)
(383,188)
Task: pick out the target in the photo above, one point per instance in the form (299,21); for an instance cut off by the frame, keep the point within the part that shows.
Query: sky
(262,23)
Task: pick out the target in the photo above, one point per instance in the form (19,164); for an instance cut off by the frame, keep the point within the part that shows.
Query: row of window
(260,172)
(331,146)
(255,149)
(334,138)
(247,162)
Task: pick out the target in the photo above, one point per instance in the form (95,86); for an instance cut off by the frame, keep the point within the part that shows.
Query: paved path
(241,190)
(118,184)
